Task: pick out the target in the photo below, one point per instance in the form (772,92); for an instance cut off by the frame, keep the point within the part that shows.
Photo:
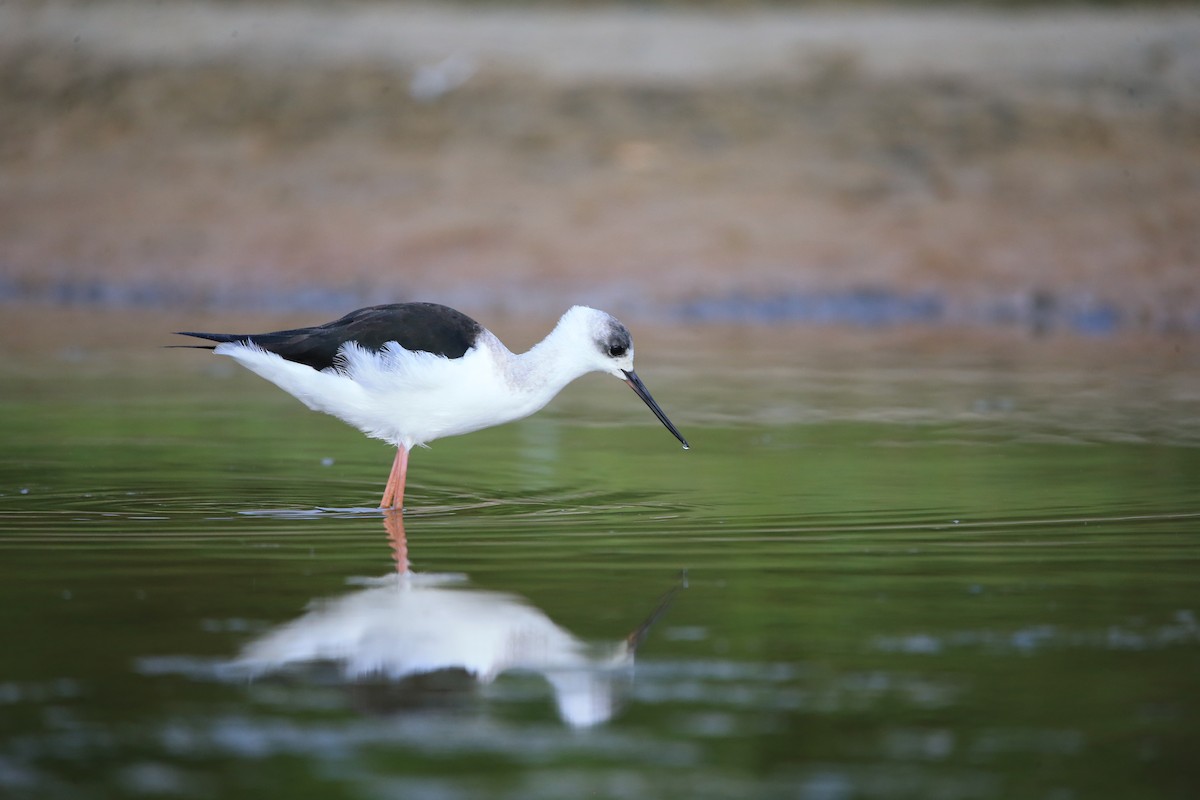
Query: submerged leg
(393,493)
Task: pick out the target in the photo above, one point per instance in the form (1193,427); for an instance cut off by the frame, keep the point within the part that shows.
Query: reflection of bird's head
(589,696)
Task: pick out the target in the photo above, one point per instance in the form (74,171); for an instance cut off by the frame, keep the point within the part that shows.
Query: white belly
(403,397)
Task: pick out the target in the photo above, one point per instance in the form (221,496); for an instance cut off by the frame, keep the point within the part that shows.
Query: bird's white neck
(548,366)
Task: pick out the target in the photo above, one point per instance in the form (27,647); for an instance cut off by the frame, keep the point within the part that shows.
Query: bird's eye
(616,350)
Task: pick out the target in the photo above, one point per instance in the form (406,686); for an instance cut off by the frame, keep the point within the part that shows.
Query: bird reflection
(415,638)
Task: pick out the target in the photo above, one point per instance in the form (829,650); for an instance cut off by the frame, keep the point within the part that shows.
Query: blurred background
(1016,164)
(939,527)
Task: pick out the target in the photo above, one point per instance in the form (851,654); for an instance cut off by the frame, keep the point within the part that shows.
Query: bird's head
(610,349)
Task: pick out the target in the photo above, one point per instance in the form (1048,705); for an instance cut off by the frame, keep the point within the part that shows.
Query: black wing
(429,327)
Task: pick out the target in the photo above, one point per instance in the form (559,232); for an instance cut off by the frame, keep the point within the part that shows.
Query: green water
(958,570)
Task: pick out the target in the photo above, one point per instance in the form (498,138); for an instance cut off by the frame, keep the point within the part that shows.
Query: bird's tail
(212,337)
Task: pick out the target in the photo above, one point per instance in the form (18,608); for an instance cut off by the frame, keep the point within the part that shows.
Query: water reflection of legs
(393,521)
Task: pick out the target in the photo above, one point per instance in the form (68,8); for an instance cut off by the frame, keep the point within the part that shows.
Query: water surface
(893,565)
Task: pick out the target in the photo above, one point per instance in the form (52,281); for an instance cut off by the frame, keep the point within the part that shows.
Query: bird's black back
(427,327)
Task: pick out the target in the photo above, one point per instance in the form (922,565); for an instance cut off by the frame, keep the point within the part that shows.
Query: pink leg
(393,493)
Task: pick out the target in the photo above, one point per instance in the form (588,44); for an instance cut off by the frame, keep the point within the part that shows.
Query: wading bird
(409,373)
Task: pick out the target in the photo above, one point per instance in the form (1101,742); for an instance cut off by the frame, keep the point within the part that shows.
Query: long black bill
(641,391)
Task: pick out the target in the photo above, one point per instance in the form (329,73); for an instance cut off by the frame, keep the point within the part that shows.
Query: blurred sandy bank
(880,166)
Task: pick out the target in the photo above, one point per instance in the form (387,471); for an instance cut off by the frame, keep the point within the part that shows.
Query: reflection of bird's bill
(641,391)
(638,634)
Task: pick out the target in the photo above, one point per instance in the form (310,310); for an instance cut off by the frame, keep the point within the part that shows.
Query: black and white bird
(409,373)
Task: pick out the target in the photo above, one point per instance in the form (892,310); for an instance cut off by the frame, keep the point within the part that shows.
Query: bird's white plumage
(410,398)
